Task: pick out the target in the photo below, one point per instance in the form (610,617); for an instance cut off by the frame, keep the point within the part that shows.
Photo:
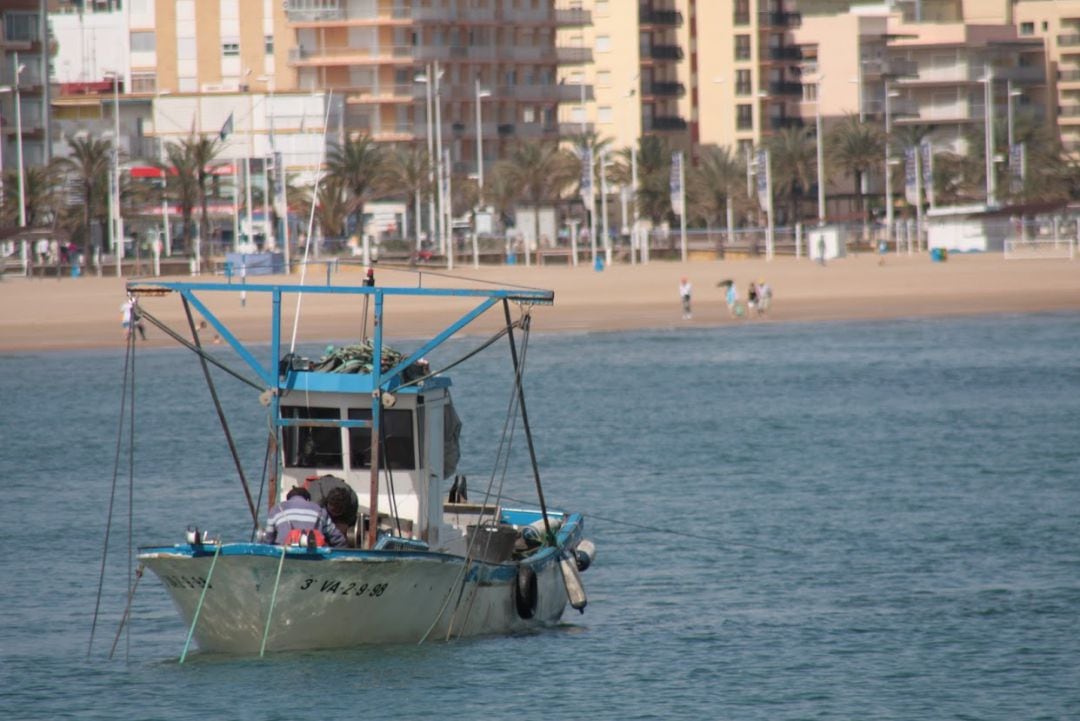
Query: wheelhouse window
(398,446)
(308,447)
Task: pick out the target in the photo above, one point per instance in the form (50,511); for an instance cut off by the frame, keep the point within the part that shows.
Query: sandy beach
(51,314)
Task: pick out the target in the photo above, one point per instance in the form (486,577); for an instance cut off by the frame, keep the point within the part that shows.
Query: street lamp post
(4,89)
(426,80)
(114,206)
(820,155)
(23,251)
(889,94)
(988,113)
(437,99)
(479,172)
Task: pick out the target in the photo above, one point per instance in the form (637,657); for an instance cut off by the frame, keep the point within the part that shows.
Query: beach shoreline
(54,315)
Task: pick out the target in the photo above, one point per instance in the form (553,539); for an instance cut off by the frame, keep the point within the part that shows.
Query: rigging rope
(199,351)
(505,441)
(273,600)
(311,225)
(224,422)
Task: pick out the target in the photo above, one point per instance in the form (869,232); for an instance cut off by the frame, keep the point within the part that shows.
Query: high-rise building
(23,77)
(1057,23)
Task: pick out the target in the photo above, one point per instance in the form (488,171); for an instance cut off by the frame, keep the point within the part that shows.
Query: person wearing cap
(289,519)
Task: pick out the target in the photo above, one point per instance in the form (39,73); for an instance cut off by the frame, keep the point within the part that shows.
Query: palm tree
(41,190)
(203,152)
(358,166)
(718,181)
(538,172)
(87,173)
(407,175)
(332,210)
(654,169)
(181,183)
(856,147)
(793,159)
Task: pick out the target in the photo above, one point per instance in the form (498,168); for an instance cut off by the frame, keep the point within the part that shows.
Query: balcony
(300,11)
(664,89)
(664,18)
(1069,76)
(571,17)
(1069,111)
(784,87)
(1068,41)
(664,52)
(573,56)
(787,53)
(780,123)
(1027,74)
(891,67)
(781,20)
(665,123)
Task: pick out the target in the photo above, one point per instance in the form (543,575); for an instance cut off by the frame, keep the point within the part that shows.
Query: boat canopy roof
(284,373)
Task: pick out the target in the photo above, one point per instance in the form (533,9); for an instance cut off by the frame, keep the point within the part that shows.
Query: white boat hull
(332,599)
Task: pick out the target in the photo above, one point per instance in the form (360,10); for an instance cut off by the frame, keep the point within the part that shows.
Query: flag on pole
(675,183)
(227,128)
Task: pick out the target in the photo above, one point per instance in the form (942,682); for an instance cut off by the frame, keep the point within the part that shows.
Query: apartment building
(495,58)
(23,83)
(1057,24)
(747,74)
(639,70)
(954,68)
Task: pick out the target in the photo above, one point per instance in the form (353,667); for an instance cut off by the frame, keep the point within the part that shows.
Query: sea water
(873,520)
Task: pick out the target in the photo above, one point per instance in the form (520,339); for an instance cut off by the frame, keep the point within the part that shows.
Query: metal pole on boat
(376,420)
(525,416)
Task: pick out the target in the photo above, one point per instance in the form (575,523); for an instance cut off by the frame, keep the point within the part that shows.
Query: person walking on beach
(751,299)
(764,297)
(684,294)
(732,299)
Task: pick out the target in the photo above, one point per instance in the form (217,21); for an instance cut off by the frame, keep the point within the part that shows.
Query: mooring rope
(273,601)
(202,598)
(129,351)
(127,609)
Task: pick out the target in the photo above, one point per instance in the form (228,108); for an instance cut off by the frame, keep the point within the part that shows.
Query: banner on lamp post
(927,158)
(675,183)
(762,174)
(911,176)
(587,195)
(1017,167)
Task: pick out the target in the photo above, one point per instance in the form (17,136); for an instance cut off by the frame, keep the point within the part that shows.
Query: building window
(810,92)
(143,83)
(230,48)
(21,27)
(603,78)
(577,115)
(742,47)
(742,82)
(742,12)
(268,44)
(604,114)
(603,43)
(601,8)
(1027,28)
(143,42)
(744,117)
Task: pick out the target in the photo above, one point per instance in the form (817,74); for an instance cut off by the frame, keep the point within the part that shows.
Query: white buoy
(575,592)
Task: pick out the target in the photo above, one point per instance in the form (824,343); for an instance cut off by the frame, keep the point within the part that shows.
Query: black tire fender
(526,594)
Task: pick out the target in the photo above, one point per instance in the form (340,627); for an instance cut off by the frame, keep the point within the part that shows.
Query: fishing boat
(422,561)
